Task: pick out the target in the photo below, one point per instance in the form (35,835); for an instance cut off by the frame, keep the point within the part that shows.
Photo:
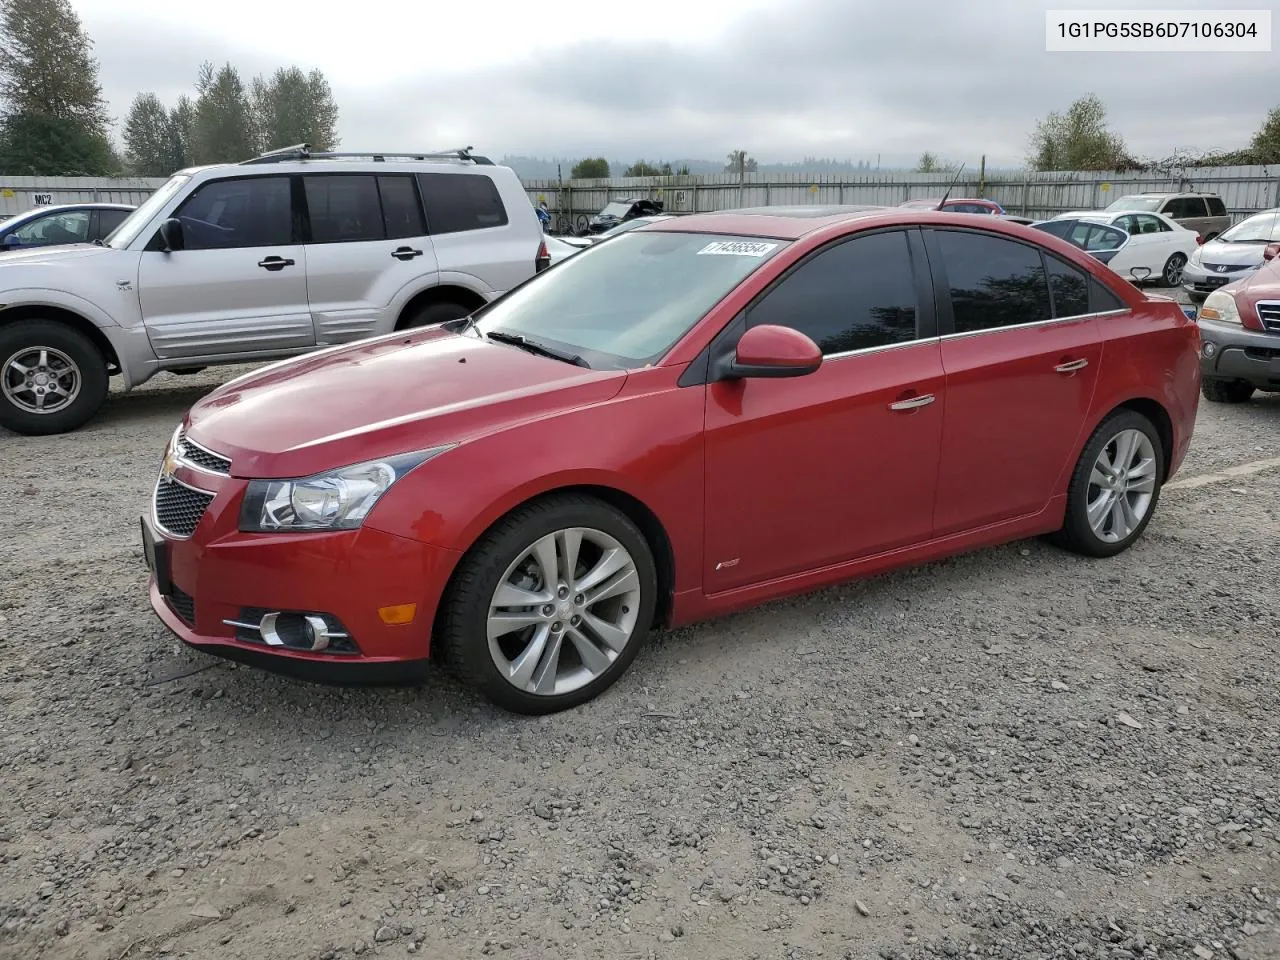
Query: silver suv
(265,259)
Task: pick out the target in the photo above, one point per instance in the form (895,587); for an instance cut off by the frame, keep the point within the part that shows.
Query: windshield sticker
(736,248)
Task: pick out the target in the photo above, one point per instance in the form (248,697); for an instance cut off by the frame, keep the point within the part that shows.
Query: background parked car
(624,227)
(559,248)
(1240,335)
(1100,240)
(1205,213)
(1232,255)
(957,205)
(1158,249)
(64,223)
(617,211)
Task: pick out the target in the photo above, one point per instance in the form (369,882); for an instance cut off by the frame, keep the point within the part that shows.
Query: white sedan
(1158,248)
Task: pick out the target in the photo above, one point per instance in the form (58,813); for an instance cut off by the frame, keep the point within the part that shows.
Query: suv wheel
(52,377)
(435,313)
(1226,391)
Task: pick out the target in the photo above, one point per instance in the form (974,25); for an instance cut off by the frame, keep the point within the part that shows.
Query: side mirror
(773,351)
(12,240)
(171,234)
(1270,251)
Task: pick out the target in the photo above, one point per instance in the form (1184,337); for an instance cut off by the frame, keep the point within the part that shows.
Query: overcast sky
(664,79)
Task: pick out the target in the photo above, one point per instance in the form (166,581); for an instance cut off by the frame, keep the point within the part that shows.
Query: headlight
(1197,255)
(337,500)
(1221,308)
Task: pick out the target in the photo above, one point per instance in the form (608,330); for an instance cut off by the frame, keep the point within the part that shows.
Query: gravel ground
(1016,753)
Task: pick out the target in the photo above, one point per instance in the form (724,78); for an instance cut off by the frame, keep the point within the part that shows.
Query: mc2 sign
(42,199)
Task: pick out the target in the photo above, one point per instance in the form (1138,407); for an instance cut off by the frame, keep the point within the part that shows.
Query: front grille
(1265,354)
(1227,267)
(202,457)
(179,507)
(1269,314)
(184,605)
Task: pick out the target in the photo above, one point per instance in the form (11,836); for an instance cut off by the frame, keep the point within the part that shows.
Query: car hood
(384,396)
(1248,254)
(52,256)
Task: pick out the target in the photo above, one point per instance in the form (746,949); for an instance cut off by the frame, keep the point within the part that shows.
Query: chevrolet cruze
(700,415)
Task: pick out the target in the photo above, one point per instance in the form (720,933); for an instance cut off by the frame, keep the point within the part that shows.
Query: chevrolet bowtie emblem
(169,465)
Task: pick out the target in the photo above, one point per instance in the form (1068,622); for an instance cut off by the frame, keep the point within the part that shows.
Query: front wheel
(53,378)
(1172,273)
(551,606)
(1226,391)
(434,314)
(1114,487)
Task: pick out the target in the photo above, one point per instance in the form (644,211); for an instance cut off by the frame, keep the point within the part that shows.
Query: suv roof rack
(303,151)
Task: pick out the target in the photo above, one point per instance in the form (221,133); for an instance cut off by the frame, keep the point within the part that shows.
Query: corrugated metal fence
(1245,190)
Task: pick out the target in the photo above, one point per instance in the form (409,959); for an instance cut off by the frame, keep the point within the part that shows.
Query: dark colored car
(682,421)
(1240,335)
(622,210)
(62,224)
(1100,240)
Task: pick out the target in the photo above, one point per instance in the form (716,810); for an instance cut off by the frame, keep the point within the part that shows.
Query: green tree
(53,120)
(182,124)
(930,163)
(642,168)
(1077,140)
(151,146)
(293,107)
(740,163)
(223,131)
(592,168)
(1266,142)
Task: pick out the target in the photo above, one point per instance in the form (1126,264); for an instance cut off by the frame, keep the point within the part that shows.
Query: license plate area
(156,553)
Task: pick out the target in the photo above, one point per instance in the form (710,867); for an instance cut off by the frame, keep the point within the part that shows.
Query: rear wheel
(1114,487)
(1172,273)
(53,378)
(1226,391)
(433,314)
(551,606)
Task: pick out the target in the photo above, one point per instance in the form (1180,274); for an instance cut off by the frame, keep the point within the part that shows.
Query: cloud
(845,78)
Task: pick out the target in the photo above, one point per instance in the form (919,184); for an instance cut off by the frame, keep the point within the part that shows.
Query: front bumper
(205,588)
(1230,352)
(1199,282)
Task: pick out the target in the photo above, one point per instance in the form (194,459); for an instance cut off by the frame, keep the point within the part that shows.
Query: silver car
(1232,255)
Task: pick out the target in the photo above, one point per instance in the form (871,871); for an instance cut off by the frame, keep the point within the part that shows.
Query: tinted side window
(68,227)
(1059,228)
(461,201)
(1070,288)
(854,295)
(994,282)
(1101,299)
(251,212)
(1216,207)
(401,211)
(343,208)
(108,220)
(1150,224)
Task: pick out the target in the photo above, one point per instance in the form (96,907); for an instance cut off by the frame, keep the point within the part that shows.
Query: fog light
(1209,349)
(399,614)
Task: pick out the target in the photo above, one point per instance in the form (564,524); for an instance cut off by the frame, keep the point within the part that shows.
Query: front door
(367,245)
(840,464)
(1021,353)
(239,285)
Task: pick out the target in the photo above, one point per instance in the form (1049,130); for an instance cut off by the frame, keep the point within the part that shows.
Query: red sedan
(698,416)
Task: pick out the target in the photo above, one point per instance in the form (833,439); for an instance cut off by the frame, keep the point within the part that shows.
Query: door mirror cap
(171,234)
(12,240)
(774,351)
(1270,251)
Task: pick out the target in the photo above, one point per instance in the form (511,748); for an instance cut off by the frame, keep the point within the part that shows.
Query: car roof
(1166,194)
(55,207)
(792,223)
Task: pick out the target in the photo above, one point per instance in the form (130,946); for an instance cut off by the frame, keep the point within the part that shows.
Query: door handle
(1071,366)
(405,253)
(914,403)
(274,263)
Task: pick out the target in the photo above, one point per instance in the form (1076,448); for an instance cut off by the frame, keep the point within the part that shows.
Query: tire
(434,314)
(1226,391)
(76,368)
(1078,534)
(503,556)
(1171,276)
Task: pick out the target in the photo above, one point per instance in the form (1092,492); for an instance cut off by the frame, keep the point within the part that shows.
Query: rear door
(471,230)
(239,285)
(1021,354)
(367,251)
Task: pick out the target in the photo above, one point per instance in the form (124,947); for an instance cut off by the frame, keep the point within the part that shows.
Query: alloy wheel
(564,611)
(40,380)
(1173,270)
(1121,486)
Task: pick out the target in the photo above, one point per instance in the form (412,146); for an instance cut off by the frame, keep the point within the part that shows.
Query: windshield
(623,304)
(1151,204)
(618,208)
(128,231)
(1260,228)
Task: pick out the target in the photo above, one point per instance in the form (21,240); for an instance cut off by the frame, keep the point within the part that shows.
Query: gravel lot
(1015,753)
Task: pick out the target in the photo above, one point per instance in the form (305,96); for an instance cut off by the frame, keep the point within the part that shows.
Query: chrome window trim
(861,351)
(155,517)
(1035,323)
